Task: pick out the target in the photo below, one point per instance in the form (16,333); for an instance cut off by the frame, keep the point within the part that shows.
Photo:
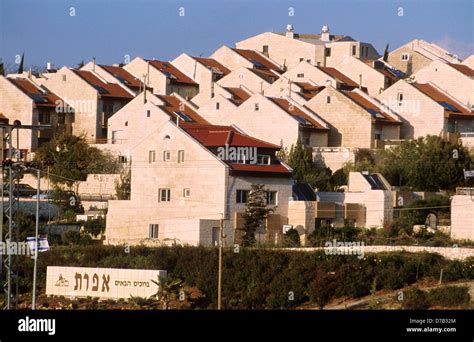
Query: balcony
(467,139)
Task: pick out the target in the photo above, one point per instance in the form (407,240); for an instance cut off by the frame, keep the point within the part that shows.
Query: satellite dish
(289,28)
(325,29)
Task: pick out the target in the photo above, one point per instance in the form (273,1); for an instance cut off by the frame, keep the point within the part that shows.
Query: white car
(41,196)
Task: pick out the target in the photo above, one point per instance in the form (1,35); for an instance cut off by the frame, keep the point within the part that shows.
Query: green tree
(123,186)
(256,211)
(425,164)
(300,159)
(74,159)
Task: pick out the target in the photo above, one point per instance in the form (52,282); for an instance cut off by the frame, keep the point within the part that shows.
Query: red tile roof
(466,70)
(41,96)
(173,105)
(122,75)
(368,105)
(308,91)
(212,64)
(297,113)
(267,75)
(274,168)
(261,61)
(171,72)
(339,76)
(238,95)
(439,96)
(214,136)
(105,89)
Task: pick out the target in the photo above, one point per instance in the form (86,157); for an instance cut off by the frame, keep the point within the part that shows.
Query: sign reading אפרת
(101,282)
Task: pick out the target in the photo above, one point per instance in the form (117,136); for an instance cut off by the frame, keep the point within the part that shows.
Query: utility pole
(33,304)
(219,277)
(13,169)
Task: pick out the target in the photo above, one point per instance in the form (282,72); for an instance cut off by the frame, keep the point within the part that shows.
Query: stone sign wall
(101,282)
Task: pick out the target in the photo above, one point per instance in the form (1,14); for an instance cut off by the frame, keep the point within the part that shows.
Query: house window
(256,108)
(44,118)
(64,78)
(405,56)
(181,156)
(328,99)
(400,98)
(308,60)
(151,156)
(265,50)
(327,52)
(300,75)
(217,105)
(61,118)
(164,195)
(186,192)
(271,197)
(153,230)
(354,48)
(166,155)
(148,113)
(126,123)
(378,136)
(263,159)
(242,196)
(301,59)
(122,159)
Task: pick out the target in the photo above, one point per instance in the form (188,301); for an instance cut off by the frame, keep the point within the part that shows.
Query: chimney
(360,81)
(49,66)
(325,34)
(289,31)
(93,64)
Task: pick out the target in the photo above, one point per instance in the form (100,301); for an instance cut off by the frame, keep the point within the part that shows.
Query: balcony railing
(105,141)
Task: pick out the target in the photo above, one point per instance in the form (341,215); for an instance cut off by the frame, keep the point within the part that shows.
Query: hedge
(260,278)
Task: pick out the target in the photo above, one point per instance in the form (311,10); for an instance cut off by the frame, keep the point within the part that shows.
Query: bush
(415,299)
(449,296)
(95,226)
(322,289)
(256,278)
(292,238)
(73,237)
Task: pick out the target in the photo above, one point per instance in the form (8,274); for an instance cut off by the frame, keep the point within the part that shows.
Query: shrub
(323,288)
(449,296)
(415,299)
(291,238)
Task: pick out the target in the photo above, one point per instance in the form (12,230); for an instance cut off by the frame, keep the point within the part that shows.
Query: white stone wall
(354,68)
(82,97)
(452,81)
(462,217)
(350,125)
(419,113)
(16,105)
(244,77)
(283,50)
(155,79)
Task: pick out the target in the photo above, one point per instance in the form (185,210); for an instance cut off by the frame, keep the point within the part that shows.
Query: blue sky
(111,29)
